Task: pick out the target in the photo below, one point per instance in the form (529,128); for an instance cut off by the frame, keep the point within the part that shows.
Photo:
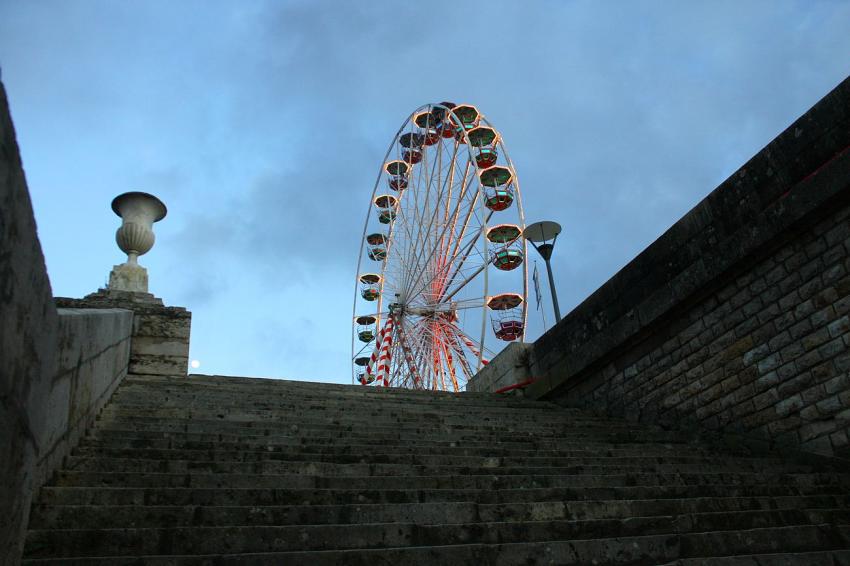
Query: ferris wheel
(442,280)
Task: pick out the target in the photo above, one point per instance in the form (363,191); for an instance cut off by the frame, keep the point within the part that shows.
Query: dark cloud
(262,125)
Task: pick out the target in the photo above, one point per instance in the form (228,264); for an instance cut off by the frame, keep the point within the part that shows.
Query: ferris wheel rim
(383,313)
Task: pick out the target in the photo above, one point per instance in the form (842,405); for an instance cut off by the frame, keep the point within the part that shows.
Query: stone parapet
(160,337)
(509,368)
(93,350)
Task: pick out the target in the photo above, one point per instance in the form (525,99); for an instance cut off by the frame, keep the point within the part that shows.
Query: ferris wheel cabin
(412,144)
(468,116)
(508,254)
(498,189)
(370,286)
(507,316)
(397,171)
(484,140)
(387,206)
(365,329)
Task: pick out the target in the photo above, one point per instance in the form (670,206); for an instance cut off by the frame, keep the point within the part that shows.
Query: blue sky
(262,125)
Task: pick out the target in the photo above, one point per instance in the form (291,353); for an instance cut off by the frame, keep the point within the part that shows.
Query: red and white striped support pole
(374,357)
(383,371)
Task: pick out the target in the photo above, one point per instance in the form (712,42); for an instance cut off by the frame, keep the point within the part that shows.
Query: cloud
(262,125)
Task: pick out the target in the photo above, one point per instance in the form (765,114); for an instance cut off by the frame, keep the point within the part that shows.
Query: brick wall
(767,354)
(735,319)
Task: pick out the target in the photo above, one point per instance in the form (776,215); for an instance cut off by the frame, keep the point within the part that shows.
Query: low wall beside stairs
(735,319)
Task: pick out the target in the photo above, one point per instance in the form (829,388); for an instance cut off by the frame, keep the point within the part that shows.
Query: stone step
(319,406)
(429,434)
(494,481)
(814,540)
(623,440)
(374,427)
(252,496)
(698,548)
(90,517)
(268,388)
(827,558)
(147,393)
(348,418)
(393,464)
(456,458)
(187,540)
(117,446)
(368,468)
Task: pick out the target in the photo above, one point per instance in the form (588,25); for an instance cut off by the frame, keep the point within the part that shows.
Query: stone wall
(93,351)
(160,338)
(509,368)
(28,327)
(736,319)
(57,368)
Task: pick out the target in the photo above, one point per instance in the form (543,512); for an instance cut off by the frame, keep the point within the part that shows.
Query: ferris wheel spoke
(445,189)
(457,346)
(471,303)
(408,353)
(467,253)
(454,269)
(429,249)
(467,340)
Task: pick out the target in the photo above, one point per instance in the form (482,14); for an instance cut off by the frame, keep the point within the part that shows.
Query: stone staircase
(216,470)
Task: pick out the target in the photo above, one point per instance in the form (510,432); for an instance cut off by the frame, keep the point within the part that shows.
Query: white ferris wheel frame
(406,337)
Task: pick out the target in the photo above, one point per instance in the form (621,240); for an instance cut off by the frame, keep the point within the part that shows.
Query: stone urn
(135,237)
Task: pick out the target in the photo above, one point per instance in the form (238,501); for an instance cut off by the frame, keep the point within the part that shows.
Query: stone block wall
(93,351)
(507,369)
(161,341)
(160,337)
(766,354)
(28,327)
(57,367)
(735,319)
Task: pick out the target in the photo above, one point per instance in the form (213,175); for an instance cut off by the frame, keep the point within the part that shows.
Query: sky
(263,124)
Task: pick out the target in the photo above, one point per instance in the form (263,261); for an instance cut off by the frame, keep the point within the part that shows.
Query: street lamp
(539,235)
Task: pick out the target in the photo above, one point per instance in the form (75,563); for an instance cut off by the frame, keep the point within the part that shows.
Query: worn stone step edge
(450,556)
(400,435)
(494,481)
(318,390)
(530,458)
(824,558)
(73,542)
(634,551)
(253,496)
(89,516)
(107,435)
(100,463)
(174,397)
(350,418)
(391,441)
(166,447)
(386,427)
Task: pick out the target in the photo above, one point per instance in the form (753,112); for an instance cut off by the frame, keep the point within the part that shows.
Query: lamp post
(540,234)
